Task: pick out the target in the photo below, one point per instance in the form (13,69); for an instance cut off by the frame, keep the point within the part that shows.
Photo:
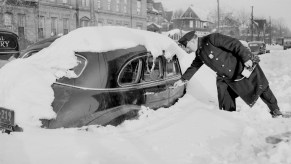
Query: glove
(255,58)
(179,83)
(249,63)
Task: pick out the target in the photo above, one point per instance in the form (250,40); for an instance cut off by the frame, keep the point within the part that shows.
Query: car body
(112,86)
(9,46)
(287,43)
(258,47)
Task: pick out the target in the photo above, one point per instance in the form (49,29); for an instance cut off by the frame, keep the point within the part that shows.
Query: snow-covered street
(193,131)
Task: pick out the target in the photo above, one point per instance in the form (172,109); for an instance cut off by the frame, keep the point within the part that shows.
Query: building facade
(156,17)
(34,20)
(191,20)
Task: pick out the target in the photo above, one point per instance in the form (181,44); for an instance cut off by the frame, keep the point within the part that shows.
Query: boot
(276,113)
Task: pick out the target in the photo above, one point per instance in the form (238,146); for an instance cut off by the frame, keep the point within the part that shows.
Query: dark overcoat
(226,56)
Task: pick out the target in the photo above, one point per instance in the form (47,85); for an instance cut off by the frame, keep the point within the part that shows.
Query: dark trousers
(228,100)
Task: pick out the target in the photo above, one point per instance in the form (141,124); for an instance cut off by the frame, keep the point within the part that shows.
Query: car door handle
(149,93)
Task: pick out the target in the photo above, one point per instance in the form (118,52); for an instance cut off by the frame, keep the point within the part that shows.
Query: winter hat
(188,36)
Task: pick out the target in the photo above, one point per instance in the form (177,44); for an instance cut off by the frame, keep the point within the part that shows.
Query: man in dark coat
(228,58)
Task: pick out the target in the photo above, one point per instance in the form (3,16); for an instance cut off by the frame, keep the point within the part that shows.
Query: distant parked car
(258,47)
(245,44)
(287,43)
(9,46)
(112,86)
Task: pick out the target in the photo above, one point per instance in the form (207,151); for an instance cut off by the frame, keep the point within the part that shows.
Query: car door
(154,85)
(173,74)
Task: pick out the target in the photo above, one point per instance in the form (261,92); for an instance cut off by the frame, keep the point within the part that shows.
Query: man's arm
(196,64)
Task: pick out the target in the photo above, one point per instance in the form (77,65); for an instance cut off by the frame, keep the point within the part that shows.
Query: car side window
(153,69)
(172,67)
(131,72)
(82,61)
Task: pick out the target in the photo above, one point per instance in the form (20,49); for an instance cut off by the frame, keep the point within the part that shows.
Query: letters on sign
(4,43)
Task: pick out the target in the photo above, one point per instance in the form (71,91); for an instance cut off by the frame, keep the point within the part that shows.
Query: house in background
(193,19)
(230,26)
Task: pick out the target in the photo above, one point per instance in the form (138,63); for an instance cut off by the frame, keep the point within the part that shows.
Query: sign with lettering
(8,42)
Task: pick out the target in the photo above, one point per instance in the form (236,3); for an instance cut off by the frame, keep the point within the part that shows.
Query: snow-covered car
(258,47)
(110,84)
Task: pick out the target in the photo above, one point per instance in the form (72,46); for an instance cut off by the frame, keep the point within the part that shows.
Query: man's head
(190,41)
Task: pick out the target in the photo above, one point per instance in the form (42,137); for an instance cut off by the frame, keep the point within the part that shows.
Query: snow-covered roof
(201,13)
(153,23)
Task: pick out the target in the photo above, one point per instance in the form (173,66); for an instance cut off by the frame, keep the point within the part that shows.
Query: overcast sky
(274,9)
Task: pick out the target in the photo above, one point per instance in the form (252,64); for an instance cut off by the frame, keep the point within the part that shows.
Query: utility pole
(270,31)
(218,16)
(252,24)
(77,14)
(92,13)
(130,13)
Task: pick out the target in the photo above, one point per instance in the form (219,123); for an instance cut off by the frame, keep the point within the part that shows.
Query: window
(41,27)
(118,22)
(65,1)
(153,69)
(53,26)
(110,22)
(139,25)
(85,3)
(191,24)
(100,22)
(82,62)
(125,6)
(75,72)
(138,7)
(8,20)
(85,22)
(66,25)
(21,25)
(99,4)
(131,72)
(117,5)
(172,67)
(126,24)
(108,4)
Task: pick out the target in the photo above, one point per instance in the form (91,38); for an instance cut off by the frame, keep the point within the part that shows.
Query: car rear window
(82,61)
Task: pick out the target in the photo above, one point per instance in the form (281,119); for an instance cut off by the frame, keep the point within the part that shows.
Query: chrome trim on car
(133,86)
(26,54)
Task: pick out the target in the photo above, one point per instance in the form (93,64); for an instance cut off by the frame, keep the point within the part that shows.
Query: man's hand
(248,63)
(178,83)
(255,58)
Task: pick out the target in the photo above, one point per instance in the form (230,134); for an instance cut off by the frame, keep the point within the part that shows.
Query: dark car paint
(11,46)
(89,100)
(259,49)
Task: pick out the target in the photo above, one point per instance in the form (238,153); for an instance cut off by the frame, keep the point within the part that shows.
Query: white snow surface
(193,131)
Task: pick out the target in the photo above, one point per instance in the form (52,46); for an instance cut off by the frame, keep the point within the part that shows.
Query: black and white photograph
(145,82)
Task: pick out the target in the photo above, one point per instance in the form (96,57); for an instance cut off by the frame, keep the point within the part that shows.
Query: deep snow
(193,131)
